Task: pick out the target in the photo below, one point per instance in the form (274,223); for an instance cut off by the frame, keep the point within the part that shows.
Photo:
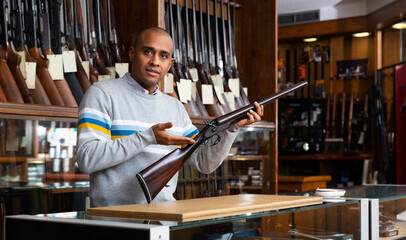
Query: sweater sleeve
(96,150)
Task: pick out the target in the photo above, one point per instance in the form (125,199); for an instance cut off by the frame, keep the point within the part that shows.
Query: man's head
(151,57)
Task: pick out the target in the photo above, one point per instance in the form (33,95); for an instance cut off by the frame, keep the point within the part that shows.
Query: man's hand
(252,116)
(165,138)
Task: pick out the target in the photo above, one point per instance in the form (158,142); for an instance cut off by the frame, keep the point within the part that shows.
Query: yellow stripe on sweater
(95,127)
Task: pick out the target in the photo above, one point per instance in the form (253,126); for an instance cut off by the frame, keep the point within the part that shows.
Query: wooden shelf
(247,157)
(38,112)
(325,157)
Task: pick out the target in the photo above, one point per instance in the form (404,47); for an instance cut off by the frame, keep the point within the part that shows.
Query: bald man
(127,124)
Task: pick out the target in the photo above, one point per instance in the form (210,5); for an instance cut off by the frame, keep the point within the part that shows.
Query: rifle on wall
(56,47)
(181,58)
(30,15)
(38,94)
(9,89)
(190,64)
(80,74)
(153,178)
(81,46)
(214,109)
(116,49)
(45,44)
(233,57)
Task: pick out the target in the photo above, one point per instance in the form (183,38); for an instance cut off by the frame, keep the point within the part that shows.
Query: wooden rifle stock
(7,82)
(38,94)
(213,109)
(153,178)
(13,62)
(45,78)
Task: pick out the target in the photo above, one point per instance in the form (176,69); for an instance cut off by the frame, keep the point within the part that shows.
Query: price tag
(230,100)
(86,66)
(187,88)
(168,83)
(30,68)
(219,95)
(234,85)
(122,69)
(103,78)
(55,66)
(207,94)
(245,91)
(194,74)
(218,81)
(69,61)
(181,92)
(193,89)
(22,64)
(112,71)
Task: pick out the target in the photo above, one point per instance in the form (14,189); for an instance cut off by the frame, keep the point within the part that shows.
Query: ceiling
(291,6)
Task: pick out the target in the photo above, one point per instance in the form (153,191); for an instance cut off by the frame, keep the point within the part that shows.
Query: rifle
(30,15)
(11,56)
(361,139)
(56,47)
(349,123)
(116,52)
(153,178)
(201,65)
(8,84)
(180,60)
(101,39)
(80,43)
(45,43)
(190,62)
(38,94)
(80,74)
(176,56)
(342,115)
(236,103)
(211,62)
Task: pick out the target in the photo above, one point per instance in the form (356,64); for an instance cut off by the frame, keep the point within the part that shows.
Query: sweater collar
(127,77)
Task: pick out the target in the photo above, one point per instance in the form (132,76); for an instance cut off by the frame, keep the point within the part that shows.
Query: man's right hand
(165,138)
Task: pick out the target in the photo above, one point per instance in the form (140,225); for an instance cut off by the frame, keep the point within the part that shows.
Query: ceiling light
(400,25)
(309,39)
(361,34)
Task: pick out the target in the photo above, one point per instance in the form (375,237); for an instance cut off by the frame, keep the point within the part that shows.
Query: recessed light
(400,25)
(361,34)
(309,39)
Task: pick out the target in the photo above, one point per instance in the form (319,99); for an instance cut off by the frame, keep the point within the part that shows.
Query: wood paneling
(387,15)
(333,27)
(256,44)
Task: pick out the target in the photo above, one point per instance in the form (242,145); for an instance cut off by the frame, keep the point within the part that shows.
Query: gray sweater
(115,140)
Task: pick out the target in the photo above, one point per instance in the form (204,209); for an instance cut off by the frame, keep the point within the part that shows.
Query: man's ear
(170,64)
(131,53)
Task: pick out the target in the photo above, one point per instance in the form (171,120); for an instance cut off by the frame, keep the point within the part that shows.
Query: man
(127,124)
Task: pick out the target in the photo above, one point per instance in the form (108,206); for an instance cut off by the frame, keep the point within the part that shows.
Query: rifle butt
(38,94)
(63,88)
(45,78)
(7,82)
(13,62)
(154,178)
(74,86)
(81,73)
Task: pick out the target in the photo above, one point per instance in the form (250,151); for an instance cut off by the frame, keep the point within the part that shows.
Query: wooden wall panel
(256,49)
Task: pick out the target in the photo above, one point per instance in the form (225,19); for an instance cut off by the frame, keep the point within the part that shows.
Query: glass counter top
(384,192)
(179,225)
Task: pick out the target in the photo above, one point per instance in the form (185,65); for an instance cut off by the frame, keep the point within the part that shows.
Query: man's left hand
(253,116)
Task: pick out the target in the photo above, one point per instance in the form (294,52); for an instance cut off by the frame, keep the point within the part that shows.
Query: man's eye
(147,51)
(164,56)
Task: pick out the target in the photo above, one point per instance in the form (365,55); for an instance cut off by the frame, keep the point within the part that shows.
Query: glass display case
(321,221)
(387,209)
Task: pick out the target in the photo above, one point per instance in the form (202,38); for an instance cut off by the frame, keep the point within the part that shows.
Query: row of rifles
(34,31)
(204,52)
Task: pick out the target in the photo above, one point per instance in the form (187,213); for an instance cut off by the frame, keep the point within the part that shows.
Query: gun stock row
(205,74)
(44,60)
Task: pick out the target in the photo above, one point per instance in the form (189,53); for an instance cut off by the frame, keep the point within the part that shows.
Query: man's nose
(154,60)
